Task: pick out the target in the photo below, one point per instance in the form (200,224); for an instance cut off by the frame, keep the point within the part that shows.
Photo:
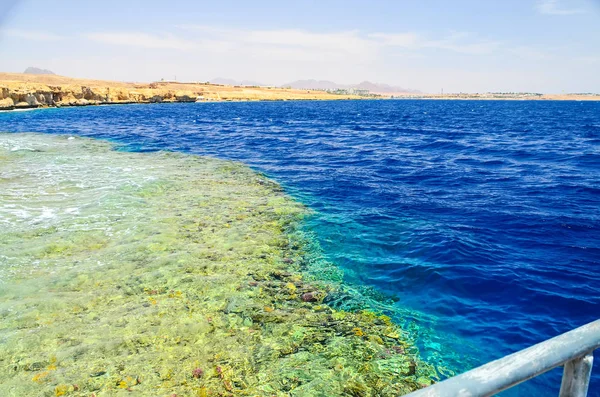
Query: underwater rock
(37,366)
(197,373)
(412,368)
(309,297)
(344,300)
(280,275)
(234,305)
(314,296)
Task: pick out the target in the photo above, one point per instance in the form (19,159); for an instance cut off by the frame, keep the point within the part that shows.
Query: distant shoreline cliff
(21,91)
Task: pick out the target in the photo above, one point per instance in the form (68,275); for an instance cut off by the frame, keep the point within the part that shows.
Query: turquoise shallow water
(479,219)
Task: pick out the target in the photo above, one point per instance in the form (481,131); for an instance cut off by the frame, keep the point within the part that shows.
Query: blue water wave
(481,218)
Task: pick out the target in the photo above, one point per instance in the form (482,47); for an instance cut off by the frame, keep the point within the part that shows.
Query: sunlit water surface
(481,219)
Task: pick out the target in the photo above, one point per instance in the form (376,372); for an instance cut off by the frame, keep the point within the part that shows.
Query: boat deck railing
(573,349)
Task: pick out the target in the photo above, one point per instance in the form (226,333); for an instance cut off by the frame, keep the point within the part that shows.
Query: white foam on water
(17,148)
(23,110)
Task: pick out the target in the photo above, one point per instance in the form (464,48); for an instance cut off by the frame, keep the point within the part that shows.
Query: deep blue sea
(482,218)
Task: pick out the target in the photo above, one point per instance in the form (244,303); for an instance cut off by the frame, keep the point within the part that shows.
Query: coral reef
(169,274)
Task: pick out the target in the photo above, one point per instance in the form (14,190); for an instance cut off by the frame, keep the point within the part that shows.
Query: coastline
(24,91)
(195,269)
(21,91)
(24,108)
(40,107)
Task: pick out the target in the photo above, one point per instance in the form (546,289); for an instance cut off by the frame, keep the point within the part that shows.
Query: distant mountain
(33,70)
(314,85)
(224,81)
(221,80)
(365,85)
(252,83)
(383,88)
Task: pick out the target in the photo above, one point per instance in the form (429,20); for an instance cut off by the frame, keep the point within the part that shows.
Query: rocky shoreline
(21,91)
(85,96)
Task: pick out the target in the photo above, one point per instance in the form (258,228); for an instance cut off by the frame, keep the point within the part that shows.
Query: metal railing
(572,349)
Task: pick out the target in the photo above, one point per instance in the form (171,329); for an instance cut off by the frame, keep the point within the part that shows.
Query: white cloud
(144,40)
(553,7)
(345,42)
(460,42)
(298,45)
(353,43)
(464,43)
(36,35)
(529,53)
(404,40)
(288,41)
(295,45)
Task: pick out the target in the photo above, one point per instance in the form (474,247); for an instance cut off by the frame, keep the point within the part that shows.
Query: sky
(547,46)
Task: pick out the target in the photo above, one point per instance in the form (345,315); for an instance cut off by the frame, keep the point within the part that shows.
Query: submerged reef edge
(164,273)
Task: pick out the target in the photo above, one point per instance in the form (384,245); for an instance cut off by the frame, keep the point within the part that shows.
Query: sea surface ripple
(481,217)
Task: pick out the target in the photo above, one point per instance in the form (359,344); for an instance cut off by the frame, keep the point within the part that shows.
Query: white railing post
(576,376)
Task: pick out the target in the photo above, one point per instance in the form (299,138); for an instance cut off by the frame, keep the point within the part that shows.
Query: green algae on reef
(160,274)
